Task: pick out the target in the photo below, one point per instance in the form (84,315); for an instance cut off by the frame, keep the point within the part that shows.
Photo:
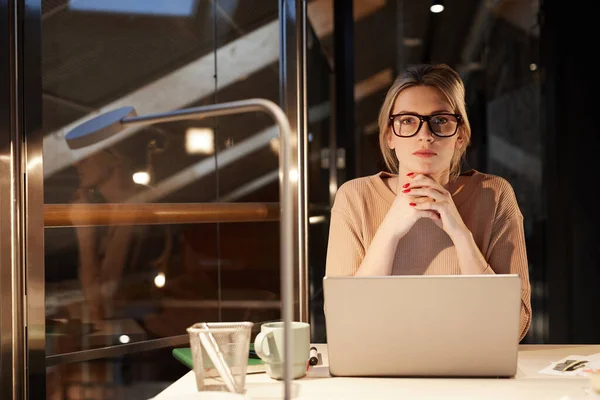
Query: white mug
(268,345)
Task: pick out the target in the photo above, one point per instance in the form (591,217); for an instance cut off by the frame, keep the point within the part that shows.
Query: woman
(104,177)
(426,217)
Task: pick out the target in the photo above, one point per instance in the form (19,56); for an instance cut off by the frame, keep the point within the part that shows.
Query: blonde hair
(442,77)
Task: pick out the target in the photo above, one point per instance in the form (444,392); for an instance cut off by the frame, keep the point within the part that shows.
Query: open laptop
(426,325)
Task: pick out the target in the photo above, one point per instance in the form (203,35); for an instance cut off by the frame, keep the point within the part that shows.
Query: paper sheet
(592,364)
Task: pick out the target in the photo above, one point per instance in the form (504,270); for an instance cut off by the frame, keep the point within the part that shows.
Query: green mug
(268,345)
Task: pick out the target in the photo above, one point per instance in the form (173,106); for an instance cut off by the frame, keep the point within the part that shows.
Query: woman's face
(94,169)
(423,153)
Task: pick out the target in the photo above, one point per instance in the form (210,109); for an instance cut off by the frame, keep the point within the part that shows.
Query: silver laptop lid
(450,325)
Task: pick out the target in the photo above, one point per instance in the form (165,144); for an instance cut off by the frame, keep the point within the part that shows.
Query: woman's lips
(424,153)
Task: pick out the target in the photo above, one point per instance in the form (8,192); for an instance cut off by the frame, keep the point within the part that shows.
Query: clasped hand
(423,197)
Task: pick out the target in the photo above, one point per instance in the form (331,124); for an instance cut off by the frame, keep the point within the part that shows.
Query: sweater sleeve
(507,253)
(345,249)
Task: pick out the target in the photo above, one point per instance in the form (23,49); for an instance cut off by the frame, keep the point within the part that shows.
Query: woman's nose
(425,134)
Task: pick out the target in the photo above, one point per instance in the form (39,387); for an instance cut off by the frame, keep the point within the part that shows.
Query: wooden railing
(66,215)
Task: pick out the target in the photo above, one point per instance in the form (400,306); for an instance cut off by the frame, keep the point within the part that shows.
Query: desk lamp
(110,123)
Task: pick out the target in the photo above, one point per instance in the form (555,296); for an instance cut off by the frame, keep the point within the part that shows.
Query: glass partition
(161,226)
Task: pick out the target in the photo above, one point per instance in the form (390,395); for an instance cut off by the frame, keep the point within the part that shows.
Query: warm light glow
(436,8)
(333,187)
(160,280)
(34,162)
(141,178)
(199,141)
(274,145)
(532,66)
(124,339)
(293,175)
(412,42)
(316,219)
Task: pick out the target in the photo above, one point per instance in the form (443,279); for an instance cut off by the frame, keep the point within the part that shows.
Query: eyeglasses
(441,125)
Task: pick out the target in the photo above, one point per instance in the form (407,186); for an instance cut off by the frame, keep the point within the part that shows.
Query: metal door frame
(22,310)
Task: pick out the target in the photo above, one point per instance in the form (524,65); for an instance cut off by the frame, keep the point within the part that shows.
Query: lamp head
(437,6)
(98,128)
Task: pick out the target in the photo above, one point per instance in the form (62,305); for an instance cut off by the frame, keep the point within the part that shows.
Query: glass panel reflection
(157,227)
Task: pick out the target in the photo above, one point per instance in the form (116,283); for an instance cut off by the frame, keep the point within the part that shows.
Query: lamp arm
(285,193)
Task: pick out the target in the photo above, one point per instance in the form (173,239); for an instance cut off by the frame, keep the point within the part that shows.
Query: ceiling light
(437,6)
(160,280)
(199,141)
(141,178)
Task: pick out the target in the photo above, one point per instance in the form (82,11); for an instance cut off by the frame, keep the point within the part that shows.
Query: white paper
(593,363)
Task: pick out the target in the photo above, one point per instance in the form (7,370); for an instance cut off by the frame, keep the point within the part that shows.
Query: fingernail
(410,174)
(412,204)
(406,185)
(406,191)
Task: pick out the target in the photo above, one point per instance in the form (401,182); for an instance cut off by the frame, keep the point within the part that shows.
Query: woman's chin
(425,170)
(425,166)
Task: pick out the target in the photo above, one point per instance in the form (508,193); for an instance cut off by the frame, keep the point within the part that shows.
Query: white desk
(527,385)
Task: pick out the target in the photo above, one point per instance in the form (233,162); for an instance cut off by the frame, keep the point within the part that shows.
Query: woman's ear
(460,142)
(389,138)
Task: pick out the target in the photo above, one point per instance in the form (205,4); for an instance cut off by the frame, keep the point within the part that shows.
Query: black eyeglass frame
(425,118)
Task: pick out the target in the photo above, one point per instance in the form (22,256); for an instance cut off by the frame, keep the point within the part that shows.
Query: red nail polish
(410,174)
(412,204)
(406,185)
(406,191)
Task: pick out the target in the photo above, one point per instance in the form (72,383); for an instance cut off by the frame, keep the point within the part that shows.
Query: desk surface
(527,384)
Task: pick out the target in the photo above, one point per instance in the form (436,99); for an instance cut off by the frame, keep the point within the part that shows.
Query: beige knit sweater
(488,207)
